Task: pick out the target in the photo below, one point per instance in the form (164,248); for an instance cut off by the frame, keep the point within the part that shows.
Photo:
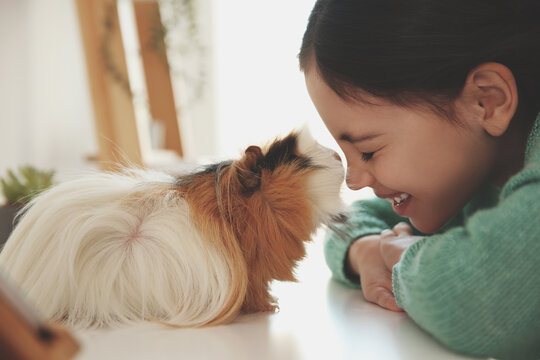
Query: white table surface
(318,318)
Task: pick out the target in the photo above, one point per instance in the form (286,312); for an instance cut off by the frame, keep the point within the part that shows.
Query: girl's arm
(371,217)
(366,217)
(476,287)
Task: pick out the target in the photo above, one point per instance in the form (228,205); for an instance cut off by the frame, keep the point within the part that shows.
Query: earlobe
(493,88)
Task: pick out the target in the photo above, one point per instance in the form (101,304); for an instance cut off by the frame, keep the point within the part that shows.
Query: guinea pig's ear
(249,169)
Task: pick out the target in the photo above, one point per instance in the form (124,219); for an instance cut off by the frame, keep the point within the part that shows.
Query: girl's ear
(491,89)
(248,169)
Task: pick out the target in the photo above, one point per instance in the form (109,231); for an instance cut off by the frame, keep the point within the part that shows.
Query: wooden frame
(119,140)
(157,74)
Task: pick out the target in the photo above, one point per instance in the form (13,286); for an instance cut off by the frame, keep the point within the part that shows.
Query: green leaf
(21,187)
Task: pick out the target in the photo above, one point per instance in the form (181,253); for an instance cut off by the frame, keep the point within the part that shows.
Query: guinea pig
(190,251)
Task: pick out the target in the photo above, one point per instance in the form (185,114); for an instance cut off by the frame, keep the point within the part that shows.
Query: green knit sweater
(475,284)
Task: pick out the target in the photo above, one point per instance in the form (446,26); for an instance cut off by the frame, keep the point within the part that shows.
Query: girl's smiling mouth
(399,201)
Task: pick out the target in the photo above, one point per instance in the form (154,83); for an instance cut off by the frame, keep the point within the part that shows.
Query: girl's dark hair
(421,51)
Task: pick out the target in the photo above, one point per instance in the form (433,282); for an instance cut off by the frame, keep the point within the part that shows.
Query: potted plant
(18,189)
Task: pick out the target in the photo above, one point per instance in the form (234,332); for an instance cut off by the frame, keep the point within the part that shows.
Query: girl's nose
(359,178)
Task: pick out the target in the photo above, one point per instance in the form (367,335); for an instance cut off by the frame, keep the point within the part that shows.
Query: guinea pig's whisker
(342,234)
(338,224)
(339,218)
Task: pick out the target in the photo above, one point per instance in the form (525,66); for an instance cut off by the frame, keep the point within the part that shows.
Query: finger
(390,250)
(388,301)
(402,228)
(387,233)
(383,297)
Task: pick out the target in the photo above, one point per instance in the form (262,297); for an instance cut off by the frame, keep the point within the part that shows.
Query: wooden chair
(119,140)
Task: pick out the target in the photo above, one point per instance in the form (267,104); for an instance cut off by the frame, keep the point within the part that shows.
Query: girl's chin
(429,218)
(426,227)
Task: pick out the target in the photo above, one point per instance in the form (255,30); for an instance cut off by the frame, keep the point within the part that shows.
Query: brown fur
(260,222)
(201,197)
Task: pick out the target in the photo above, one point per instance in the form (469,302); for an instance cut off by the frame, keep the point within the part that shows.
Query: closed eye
(367,156)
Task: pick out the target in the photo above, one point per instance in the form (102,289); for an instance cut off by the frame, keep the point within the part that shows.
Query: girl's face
(427,167)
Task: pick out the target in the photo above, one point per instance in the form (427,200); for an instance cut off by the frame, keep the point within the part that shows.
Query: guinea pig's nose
(337,157)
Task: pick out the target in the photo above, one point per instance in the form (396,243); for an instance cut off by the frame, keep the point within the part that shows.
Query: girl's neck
(510,161)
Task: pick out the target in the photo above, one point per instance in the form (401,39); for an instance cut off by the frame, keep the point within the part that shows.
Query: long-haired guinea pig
(191,251)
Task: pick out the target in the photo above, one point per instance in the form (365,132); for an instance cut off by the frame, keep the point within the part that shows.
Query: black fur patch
(206,170)
(283,152)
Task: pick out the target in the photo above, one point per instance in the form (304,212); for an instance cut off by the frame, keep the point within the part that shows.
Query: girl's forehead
(328,101)
(350,119)
(330,105)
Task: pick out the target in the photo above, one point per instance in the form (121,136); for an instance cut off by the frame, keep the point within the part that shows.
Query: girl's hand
(393,243)
(372,257)
(364,258)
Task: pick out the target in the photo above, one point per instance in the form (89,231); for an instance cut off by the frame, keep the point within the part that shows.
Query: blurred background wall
(45,110)
(253,89)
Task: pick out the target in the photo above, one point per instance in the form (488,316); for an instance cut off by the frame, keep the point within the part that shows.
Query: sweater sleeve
(476,287)
(365,217)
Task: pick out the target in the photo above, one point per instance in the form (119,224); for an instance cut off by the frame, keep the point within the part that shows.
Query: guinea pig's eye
(367,156)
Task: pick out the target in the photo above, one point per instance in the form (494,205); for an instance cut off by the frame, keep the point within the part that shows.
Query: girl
(434,104)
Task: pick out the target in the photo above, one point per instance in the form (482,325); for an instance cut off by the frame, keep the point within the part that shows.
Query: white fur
(325,184)
(109,248)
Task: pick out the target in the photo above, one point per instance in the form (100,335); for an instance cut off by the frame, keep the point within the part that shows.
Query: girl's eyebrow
(349,138)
